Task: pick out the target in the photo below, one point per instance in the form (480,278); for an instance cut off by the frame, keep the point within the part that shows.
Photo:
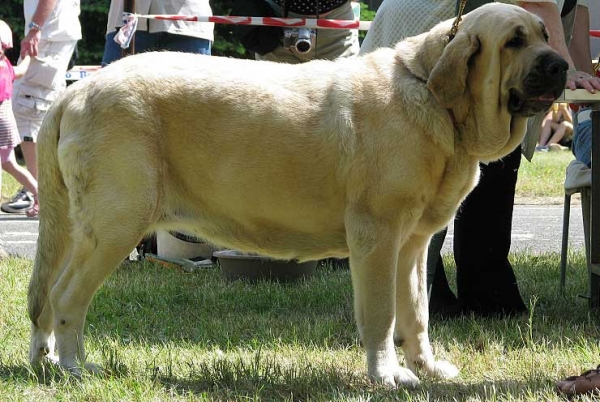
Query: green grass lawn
(165,335)
(542,179)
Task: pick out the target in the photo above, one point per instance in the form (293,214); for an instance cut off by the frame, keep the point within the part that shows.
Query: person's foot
(444,304)
(20,203)
(34,210)
(446,308)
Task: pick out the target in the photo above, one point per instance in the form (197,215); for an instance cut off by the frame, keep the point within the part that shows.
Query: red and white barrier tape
(125,34)
(268,21)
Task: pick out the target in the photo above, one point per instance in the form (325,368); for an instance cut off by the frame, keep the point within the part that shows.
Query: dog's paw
(46,361)
(87,369)
(435,368)
(444,370)
(397,377)
(42,353)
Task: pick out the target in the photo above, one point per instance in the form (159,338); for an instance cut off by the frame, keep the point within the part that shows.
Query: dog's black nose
(556,67)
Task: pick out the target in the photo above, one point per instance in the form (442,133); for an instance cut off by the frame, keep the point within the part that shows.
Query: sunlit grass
(542,179)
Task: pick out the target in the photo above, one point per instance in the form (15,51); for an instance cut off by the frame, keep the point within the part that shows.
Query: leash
(454,29)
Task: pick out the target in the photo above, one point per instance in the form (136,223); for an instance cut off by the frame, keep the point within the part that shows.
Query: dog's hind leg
(412,315)
(373,254)
(96,252)
(53,244)
(54,240)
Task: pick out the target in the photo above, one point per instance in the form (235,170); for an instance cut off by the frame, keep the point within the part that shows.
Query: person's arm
(565,113)
(580,42)
(29,45)
(21,68)
(549,13)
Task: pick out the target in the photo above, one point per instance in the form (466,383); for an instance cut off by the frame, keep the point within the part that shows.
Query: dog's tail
(54,229)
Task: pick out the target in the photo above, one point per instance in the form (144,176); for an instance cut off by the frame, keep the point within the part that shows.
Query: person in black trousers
(486,282)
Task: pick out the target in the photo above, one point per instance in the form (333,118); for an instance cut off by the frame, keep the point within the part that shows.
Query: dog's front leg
(373,254)
(412,310)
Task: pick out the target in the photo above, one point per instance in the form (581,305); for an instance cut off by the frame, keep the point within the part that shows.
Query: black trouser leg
(441,294)
(482,235)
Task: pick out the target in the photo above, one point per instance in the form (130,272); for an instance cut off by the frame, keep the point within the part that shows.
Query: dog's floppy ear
(448,79)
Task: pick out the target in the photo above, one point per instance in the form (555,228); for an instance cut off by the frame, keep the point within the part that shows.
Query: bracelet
(33,25)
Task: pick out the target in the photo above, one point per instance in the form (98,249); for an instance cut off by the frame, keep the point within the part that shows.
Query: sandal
(33,211)
(586,383)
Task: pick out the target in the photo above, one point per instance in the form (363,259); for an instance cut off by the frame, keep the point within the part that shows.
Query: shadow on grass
(262,379)
(149,304)
(223,383)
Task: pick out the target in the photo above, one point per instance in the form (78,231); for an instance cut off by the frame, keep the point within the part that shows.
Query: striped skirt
(9,135)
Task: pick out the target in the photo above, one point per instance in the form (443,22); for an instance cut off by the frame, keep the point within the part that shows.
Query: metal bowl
(253,267)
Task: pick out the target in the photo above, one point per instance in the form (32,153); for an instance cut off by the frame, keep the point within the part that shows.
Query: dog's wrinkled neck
(453,118)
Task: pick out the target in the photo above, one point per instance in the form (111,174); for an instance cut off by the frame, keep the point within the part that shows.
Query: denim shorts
(147,42)
(582,137)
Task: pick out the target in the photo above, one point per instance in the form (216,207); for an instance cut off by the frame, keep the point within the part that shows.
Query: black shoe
(446,307)
(22,202)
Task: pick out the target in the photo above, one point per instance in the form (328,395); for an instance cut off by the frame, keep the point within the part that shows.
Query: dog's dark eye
(515,42)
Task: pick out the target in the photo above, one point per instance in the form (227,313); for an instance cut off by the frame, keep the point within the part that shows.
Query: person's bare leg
(29,153)
(546,132)
(559,133)
(22,175)
(26,179)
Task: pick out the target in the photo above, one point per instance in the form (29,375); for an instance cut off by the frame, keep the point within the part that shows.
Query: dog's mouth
(540,88)
(520,104)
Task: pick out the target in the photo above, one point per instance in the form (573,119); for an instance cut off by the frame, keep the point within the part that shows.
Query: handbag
(257,39)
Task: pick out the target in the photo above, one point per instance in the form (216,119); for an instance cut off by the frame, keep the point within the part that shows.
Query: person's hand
(581,79)
(29,45)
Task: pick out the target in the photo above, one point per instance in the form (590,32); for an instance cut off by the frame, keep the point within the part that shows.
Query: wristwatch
(33,25)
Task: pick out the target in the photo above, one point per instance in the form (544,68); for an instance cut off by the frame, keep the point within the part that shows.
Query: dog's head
(496,72)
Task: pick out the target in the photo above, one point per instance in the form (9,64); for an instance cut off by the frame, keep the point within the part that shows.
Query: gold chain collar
(457,20)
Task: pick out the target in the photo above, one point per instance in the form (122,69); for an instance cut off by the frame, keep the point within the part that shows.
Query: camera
(299,38)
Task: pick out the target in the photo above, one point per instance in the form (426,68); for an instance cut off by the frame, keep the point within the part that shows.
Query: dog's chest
(454,186)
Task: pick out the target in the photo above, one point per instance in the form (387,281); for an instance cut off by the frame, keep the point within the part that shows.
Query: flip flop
(587,382)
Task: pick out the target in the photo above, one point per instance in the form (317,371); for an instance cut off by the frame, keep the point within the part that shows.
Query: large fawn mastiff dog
(363,157)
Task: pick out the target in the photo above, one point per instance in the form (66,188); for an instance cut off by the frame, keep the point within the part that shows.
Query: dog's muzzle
(541,87)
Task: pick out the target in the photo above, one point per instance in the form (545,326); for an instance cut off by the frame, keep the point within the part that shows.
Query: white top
(202,30)
(399,19)
(61,25)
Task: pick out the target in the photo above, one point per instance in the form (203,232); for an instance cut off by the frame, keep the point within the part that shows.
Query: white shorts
(44,80)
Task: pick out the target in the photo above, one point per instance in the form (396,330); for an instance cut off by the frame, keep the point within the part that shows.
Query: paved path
(536,228)
(18,234)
